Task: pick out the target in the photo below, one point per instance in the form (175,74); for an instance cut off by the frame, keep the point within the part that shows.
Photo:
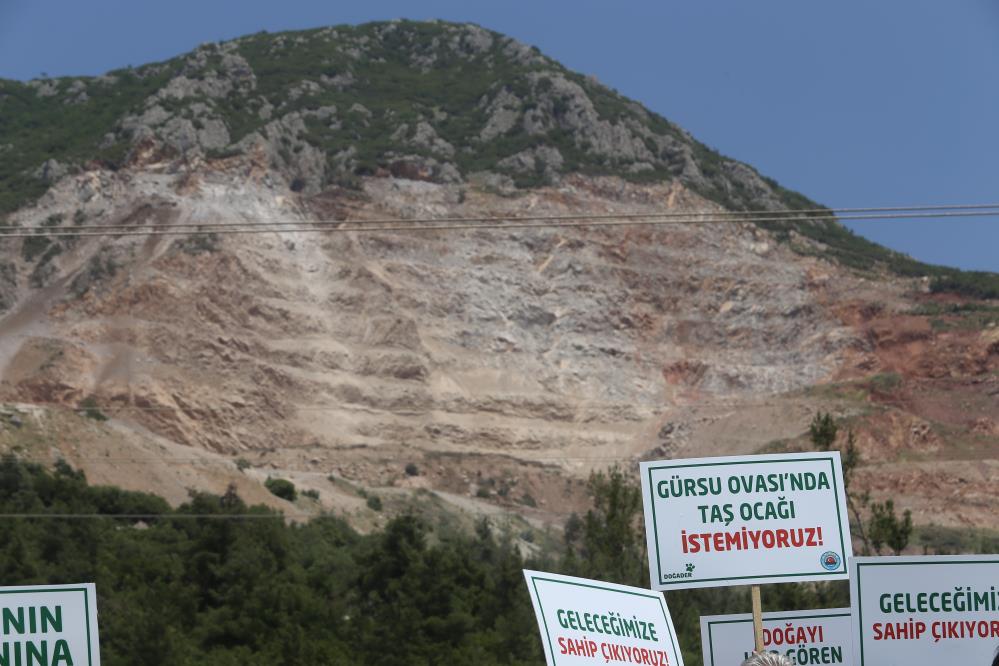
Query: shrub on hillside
(282,488)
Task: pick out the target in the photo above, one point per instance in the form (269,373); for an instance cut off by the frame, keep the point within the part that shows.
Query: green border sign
(816,571)
(917,586)
(709,622)
(88,620)
(578,599)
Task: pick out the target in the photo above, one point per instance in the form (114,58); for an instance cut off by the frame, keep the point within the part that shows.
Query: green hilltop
(454,99)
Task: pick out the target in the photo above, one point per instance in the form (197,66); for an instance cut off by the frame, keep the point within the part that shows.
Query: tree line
(257,590)
(239,585)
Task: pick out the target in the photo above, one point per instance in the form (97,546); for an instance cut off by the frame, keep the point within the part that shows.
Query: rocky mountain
(434,101)
(467,371)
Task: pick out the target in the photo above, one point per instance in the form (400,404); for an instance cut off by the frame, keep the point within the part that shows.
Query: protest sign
(54,625)
(805,637)
(925,610)
(591,622)
(745,520)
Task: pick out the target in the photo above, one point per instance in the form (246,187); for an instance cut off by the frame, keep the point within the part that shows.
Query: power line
(822,212)
(407,225)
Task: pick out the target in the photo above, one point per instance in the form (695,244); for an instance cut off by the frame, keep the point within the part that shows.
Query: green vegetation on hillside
(956,540)
(35,127)
(391,92)
(963,316)
(843,246)
(256,590)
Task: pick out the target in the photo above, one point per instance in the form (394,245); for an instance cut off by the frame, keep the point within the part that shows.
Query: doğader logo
(830,560)
(688,573)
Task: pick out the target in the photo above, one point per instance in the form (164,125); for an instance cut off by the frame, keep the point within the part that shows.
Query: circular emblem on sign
(830,560)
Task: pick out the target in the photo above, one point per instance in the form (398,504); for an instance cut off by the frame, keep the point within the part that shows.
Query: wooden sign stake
(757,618)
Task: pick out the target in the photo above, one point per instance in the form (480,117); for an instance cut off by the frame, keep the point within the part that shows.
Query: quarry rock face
(483,356)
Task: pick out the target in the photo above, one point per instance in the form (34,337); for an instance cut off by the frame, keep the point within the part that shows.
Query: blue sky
(853,102)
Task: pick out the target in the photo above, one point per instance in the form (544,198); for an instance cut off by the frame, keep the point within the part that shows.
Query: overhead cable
(432,224)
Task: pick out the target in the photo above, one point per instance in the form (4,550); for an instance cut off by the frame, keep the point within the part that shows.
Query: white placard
(805,637)
(49,624)
(745,520)
(590,622)
(916,611)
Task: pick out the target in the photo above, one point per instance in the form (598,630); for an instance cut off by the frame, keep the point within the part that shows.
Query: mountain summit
(435,101)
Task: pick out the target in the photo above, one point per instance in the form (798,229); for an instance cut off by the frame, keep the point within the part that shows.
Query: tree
(822,431)
(609,542)
(850,457)
(886,529)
